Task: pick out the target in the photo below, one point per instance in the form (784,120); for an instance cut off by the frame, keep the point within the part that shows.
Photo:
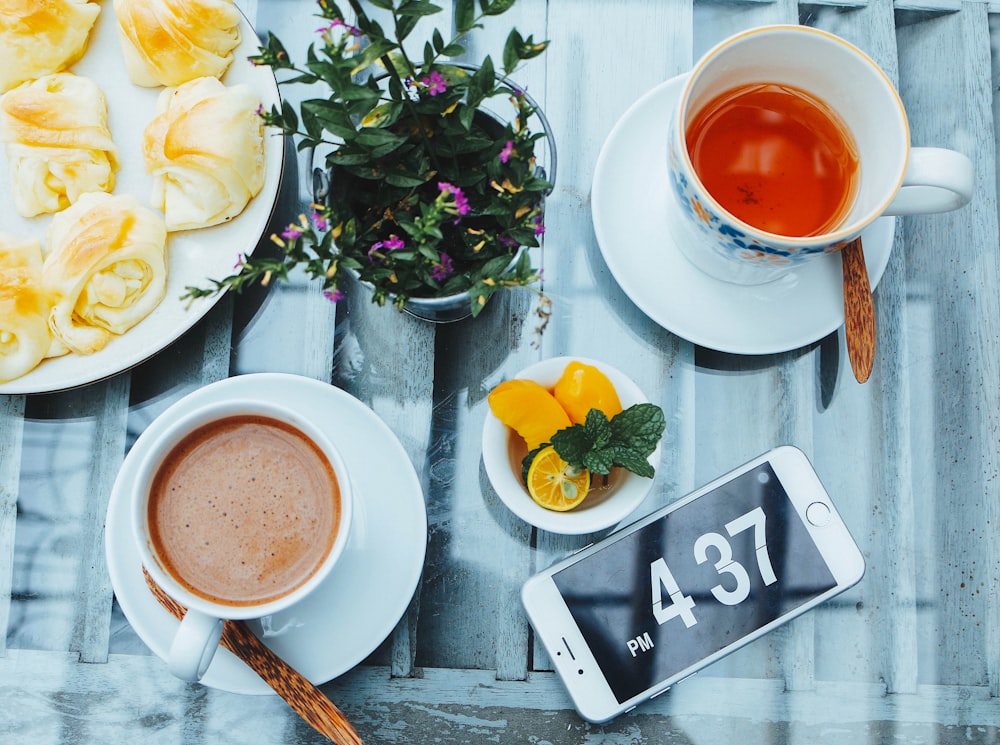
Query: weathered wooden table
(912,458)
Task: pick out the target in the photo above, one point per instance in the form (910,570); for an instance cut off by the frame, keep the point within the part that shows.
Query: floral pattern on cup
(726,239)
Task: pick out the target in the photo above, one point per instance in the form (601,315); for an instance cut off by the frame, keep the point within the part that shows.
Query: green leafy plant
(430,196)
(600,444)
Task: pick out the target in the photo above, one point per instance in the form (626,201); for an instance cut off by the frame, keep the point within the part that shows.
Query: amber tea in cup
(776,158)
(786,144)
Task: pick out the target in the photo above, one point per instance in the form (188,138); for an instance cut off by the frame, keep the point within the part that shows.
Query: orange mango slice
(528,409)
(583,387)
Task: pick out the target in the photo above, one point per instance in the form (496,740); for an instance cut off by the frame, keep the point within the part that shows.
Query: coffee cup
(786,143)
(240,510)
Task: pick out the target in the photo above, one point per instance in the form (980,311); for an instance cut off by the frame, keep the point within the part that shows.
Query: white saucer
(358,606)
(631,205)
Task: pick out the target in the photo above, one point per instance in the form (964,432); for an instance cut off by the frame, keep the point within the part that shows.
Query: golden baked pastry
(169,42)
(58,142)
(20,254)
(205,152)
(24,308)
(107,267)
(38,37)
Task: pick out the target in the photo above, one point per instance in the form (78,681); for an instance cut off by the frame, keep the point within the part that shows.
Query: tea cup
(842,83)
(240,510)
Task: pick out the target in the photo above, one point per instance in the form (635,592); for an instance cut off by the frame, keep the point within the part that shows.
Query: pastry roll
(169,42)
(38,37)
(59,145)
(24,308)
(205,152)
(106,267)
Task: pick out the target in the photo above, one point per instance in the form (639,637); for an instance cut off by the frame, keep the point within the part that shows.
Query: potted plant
(431,195)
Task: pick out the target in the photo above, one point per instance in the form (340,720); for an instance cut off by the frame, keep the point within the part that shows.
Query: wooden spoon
(859,311)
(306,699)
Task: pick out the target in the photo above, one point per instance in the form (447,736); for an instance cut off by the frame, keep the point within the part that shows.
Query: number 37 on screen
(680,605)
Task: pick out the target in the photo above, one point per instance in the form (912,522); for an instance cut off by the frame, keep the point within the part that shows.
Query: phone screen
(693,582)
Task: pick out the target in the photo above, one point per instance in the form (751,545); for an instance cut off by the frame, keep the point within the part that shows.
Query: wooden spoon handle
(859,311)
(305,699)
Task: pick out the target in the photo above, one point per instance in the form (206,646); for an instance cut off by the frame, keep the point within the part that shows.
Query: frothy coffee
(244,510)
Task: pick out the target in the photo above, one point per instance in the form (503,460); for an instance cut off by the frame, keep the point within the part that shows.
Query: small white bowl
(503,450)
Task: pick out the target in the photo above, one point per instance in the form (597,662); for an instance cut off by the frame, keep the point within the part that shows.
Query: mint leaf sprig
(599,444)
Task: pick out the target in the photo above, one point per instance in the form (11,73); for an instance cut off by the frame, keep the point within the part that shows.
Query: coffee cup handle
(194,645)
(936,180)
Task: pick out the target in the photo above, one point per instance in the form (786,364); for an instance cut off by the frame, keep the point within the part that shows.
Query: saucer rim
(703,326)
(227,672)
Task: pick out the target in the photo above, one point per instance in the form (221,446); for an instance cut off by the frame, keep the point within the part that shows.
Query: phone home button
(818,513)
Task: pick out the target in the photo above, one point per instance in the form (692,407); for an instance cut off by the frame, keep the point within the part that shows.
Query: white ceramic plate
(194,255)
(503,448)
(638,233)
(368,591)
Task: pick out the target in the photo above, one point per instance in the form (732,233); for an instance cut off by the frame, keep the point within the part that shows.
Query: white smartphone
(628,617)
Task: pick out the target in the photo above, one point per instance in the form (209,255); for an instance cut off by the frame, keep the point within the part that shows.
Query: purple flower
(539,228)
(507,241)
(239,261)
(319,222)
(444,269)
(506,152)
(291,232)
(461,203)
(394,243)
(334,296)
(338,23)
(260,109)
(435,83)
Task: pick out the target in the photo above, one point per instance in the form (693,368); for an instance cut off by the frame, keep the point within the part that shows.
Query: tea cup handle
(936,180)
(194,645)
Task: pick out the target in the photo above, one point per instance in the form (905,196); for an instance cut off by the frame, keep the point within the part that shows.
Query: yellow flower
(505,187)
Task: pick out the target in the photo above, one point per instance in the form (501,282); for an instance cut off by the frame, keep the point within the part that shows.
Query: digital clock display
(693,582)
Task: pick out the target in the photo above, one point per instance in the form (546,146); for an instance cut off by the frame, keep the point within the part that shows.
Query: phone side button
(582,548)
(658,693)
(686,677)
